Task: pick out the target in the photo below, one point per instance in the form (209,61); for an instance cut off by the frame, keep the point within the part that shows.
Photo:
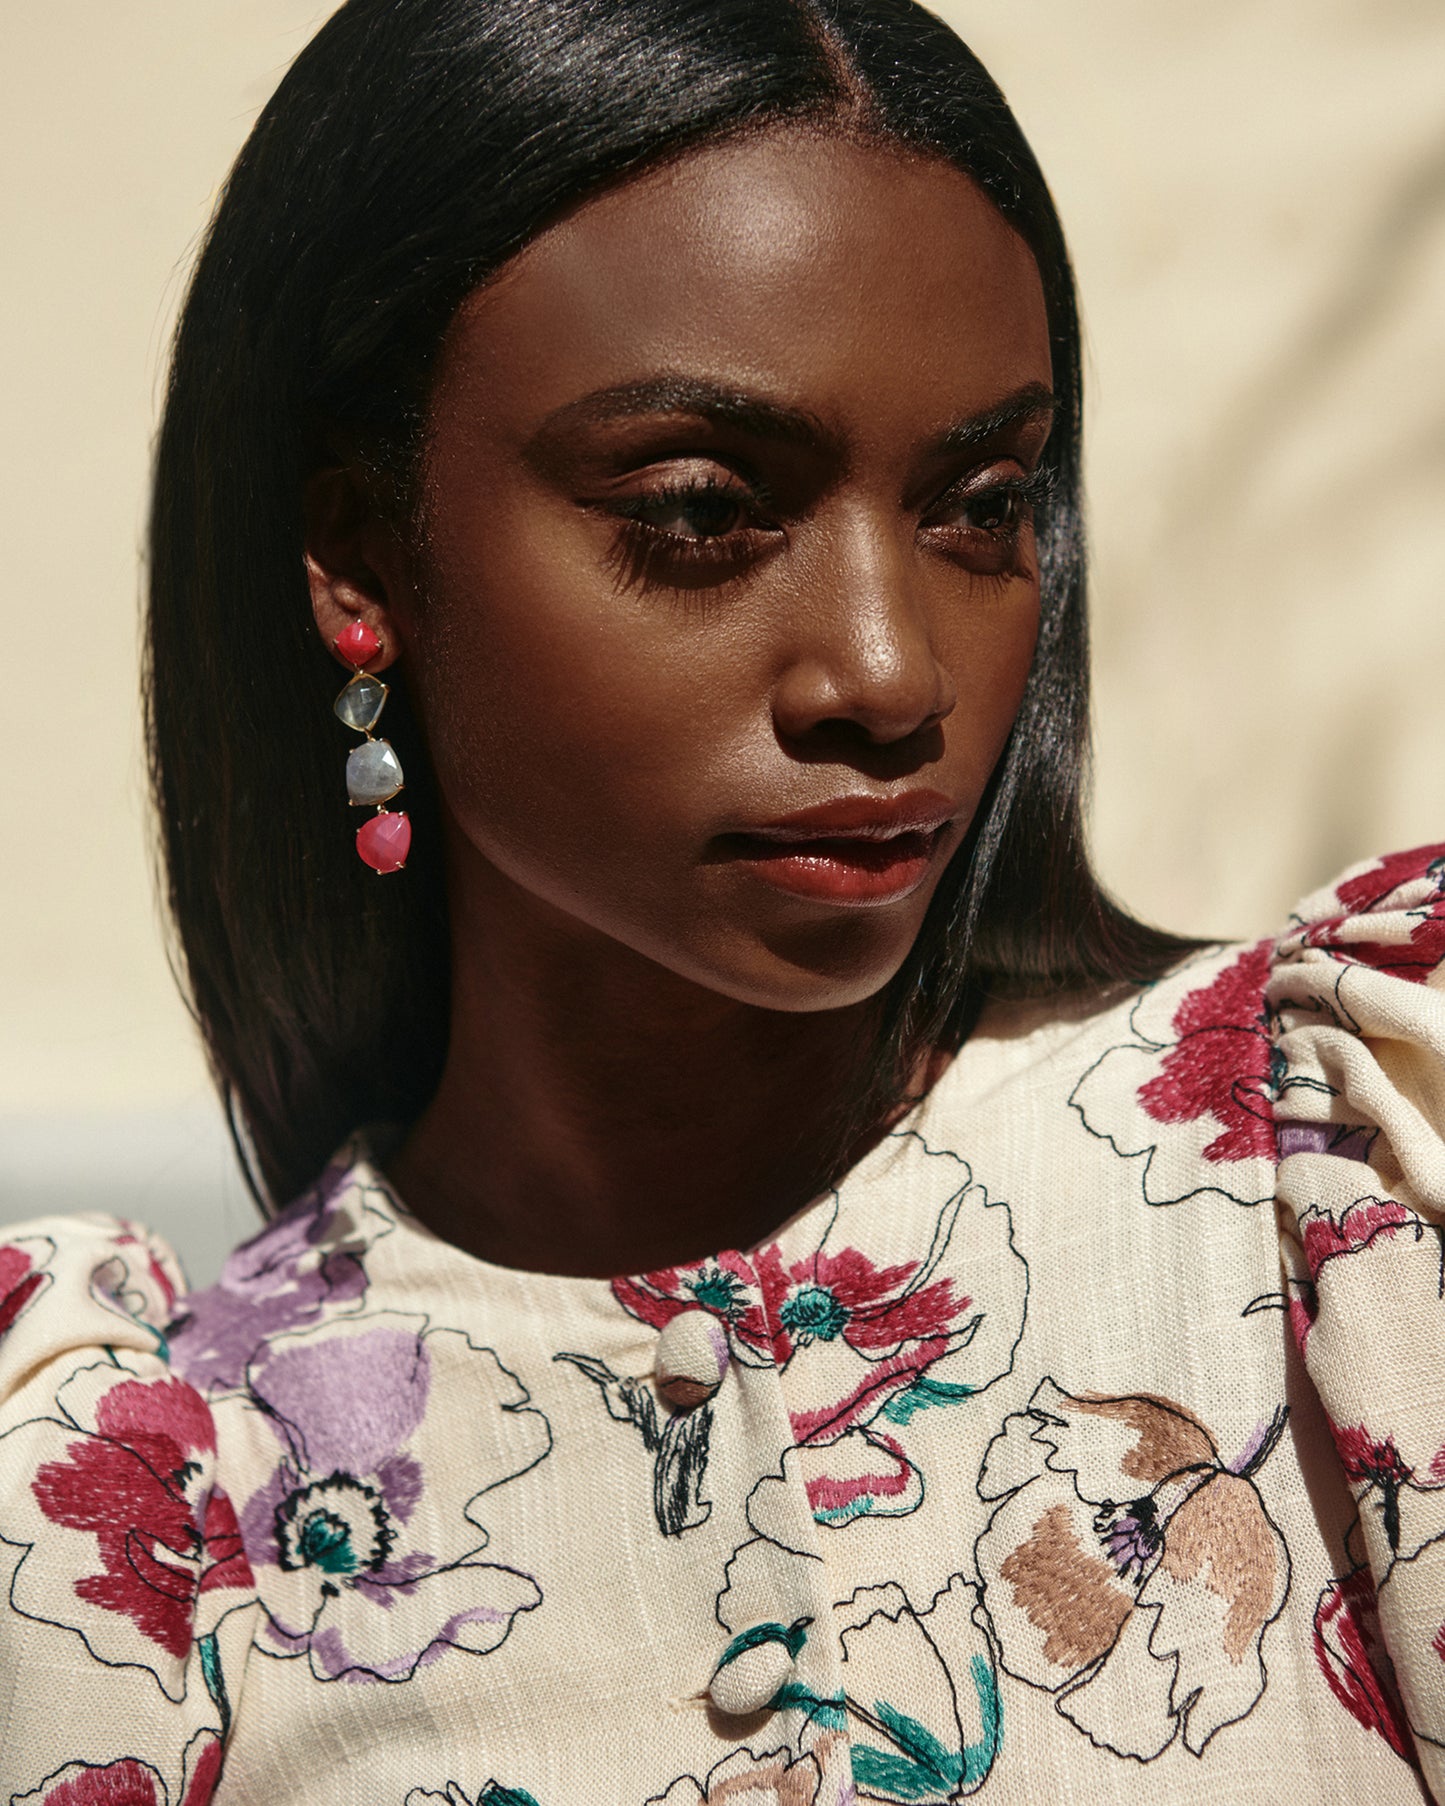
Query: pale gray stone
(360,704)
(373,772)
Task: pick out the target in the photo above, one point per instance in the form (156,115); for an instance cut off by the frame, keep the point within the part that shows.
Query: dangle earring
(373,771)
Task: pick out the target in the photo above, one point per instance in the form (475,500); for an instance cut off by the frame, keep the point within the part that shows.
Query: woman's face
(726,593)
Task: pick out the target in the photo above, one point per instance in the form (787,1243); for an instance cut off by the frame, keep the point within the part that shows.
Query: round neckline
(364,1167)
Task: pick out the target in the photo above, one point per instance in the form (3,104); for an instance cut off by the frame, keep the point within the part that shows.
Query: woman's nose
(862,652)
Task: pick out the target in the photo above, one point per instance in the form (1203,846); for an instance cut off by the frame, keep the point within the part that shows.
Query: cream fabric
(1014,1474)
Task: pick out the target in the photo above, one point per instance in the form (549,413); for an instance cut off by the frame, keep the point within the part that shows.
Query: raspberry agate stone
(385,840)
(357,644)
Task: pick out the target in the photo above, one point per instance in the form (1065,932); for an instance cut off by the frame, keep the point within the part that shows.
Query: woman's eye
(702,513)
(985,530)
(687,536)
(996,512)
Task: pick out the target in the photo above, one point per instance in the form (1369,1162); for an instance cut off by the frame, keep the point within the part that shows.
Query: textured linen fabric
(1087,1445)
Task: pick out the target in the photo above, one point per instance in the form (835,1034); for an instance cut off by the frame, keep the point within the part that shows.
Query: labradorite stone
(361,702)
(373,772)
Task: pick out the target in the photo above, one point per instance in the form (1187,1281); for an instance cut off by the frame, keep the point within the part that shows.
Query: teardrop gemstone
(384,841)
(360,704)
(373,772)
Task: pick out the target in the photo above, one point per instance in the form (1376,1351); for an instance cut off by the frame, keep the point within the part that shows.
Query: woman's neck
(599,1115)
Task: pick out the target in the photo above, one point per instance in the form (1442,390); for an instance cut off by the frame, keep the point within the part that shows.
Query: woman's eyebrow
(1035,401)
(705,400)
(724,406)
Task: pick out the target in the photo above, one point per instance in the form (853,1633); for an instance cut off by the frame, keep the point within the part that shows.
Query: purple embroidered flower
(306,1265)
(363,1538)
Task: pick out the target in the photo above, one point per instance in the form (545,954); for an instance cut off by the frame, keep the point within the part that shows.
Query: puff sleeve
(126,1601)
(1356,998)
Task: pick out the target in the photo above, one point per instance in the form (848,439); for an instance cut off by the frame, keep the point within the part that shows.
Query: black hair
(411,149)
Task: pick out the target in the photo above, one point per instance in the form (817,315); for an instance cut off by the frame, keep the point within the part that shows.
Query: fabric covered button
(755,1666)
(692,1357)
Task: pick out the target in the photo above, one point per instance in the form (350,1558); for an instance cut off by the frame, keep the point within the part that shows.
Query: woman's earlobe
(353,569)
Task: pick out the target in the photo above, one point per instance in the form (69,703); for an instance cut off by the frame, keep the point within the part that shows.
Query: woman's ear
(356,565)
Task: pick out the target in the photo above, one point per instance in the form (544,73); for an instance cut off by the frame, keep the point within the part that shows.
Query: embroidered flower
(1325,1239)
(924,1712)
(1411,1600)
(364,1536)
(22,1275)
(865,1339)
(128,1782)
(1204,1066)
(865,1342)
(726,1286)
(1377,1262)
(745,1779)
(1408,889)
(920,1712)
(305,1266)
(1371,1460)
(895,1318)
(137,1283)
(1128,1570)
(131,1544)
(1353,1658)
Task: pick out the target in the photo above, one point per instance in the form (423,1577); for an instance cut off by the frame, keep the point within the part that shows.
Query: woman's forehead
(841,277)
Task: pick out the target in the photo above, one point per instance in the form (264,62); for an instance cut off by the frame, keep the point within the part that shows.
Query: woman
(663,420)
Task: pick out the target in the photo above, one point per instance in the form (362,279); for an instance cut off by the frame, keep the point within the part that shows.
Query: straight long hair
(412,148)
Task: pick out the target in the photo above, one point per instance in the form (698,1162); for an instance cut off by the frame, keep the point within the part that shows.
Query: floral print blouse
(1087,1444)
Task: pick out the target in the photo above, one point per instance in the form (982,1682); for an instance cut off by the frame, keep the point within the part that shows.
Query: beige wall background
(1255,194)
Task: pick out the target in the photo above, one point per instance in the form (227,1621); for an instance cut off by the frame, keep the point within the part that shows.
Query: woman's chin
(825,966)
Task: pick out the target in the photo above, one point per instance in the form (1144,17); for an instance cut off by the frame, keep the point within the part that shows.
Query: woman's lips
(854,851)
(843,870)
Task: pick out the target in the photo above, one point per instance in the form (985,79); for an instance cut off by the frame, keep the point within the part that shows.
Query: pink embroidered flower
(1378,1263)
(1413,1621)
(1374,1464)
(1408,887)
(1219,1065)
(866,1340)
(128,1782)
(726,1286)
(138,1549)
(1203,1066)
(865,1335)
(1325,1239)
(875,1310)
(1110,1513)
(1352,1657)
(22,1275)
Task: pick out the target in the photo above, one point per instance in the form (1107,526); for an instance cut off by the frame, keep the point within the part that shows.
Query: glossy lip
(860,818)
(853,852)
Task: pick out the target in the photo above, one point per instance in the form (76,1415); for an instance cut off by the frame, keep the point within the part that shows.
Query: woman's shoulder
(84,1280)
(96,1283)
(119,1547)
(1189,1074)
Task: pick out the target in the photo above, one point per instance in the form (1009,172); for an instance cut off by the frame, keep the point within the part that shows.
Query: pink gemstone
(385,840)
(357,644)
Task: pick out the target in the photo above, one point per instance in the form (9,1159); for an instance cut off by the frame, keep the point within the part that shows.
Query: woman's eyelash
(1019,493)
(640,550)
(645,556)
